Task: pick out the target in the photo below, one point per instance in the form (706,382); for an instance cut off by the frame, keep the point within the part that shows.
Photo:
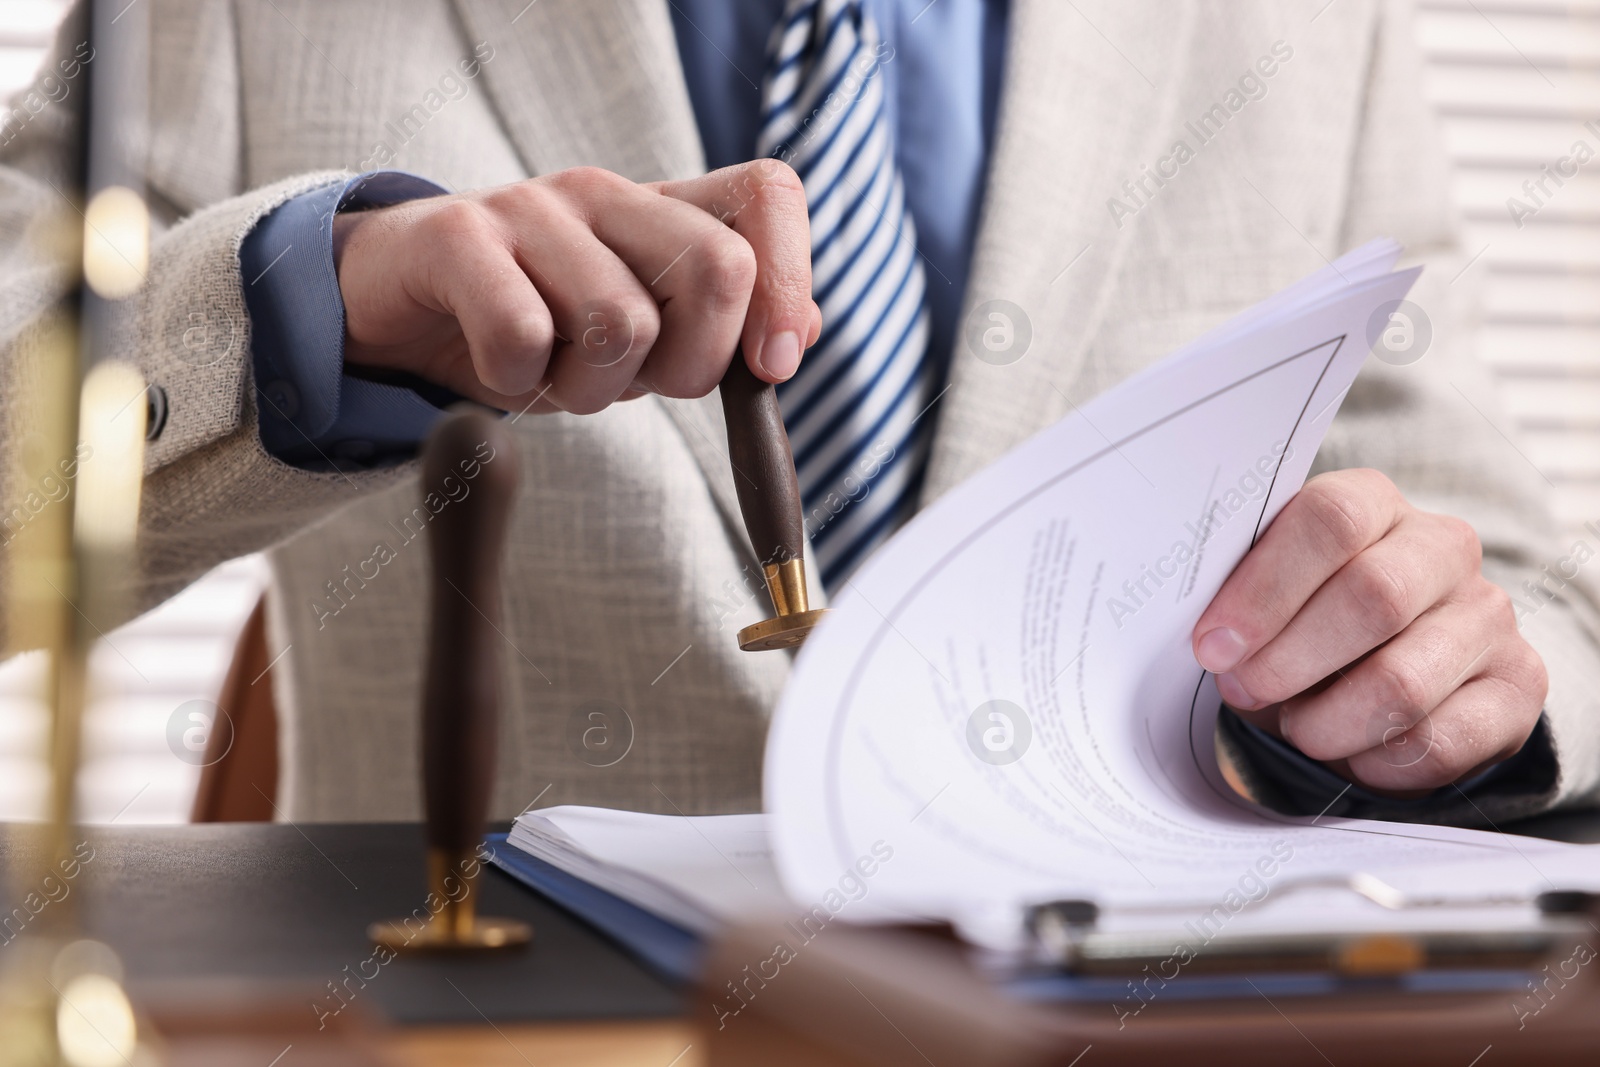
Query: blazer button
(283,399)
(155,418)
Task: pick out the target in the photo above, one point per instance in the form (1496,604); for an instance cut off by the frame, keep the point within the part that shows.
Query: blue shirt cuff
(313,414)
(1286,780)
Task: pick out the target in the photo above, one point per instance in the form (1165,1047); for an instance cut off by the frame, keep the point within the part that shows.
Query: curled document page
(1005,695)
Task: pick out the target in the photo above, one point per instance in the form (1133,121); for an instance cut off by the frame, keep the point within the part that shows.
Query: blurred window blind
(26,27)
(1517,87)
(148,669)
(141,680)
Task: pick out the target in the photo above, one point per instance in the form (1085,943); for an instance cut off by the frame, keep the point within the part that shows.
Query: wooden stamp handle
(763,465)
(469,474)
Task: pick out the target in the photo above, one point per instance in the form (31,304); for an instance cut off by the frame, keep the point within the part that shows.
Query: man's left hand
(1363,632)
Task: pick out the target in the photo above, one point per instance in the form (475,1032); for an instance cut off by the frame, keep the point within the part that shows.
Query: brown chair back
(239,781)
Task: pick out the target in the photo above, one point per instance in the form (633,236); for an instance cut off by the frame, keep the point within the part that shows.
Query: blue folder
(677,954)
(666,948)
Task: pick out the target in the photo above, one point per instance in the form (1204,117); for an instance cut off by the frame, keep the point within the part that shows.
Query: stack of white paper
(696,872)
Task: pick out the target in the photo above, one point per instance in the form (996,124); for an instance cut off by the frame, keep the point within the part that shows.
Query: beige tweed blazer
(628,571)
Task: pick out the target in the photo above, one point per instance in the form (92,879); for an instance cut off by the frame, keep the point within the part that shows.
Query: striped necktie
(854,410)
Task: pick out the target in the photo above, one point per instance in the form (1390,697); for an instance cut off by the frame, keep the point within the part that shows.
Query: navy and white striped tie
(854,409)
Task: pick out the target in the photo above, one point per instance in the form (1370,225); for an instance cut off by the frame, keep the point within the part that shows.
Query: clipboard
(907,997)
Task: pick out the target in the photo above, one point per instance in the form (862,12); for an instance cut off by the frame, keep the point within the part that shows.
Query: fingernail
(1234,693)
(780,357)
(1220,650)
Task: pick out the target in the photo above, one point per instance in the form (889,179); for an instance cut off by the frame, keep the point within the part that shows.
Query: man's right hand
(573,290)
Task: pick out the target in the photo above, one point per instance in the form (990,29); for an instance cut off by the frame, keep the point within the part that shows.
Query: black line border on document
(837,830)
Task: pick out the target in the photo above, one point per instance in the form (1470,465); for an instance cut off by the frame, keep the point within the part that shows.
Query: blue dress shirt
(313,414)
(943,84)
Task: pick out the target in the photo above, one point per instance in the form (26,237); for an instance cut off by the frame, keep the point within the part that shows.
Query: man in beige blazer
(628,572)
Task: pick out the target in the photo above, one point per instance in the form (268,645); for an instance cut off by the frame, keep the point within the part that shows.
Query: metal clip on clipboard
(905,997)
(1066,937)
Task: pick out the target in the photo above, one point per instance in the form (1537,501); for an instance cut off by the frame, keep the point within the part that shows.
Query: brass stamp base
(783,631)
(438,936)
(452,922)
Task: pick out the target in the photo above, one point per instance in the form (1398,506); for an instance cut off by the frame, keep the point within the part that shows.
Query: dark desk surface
(289,905)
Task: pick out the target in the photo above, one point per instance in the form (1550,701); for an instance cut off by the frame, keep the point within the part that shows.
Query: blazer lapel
(1084,105)
(596,83)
